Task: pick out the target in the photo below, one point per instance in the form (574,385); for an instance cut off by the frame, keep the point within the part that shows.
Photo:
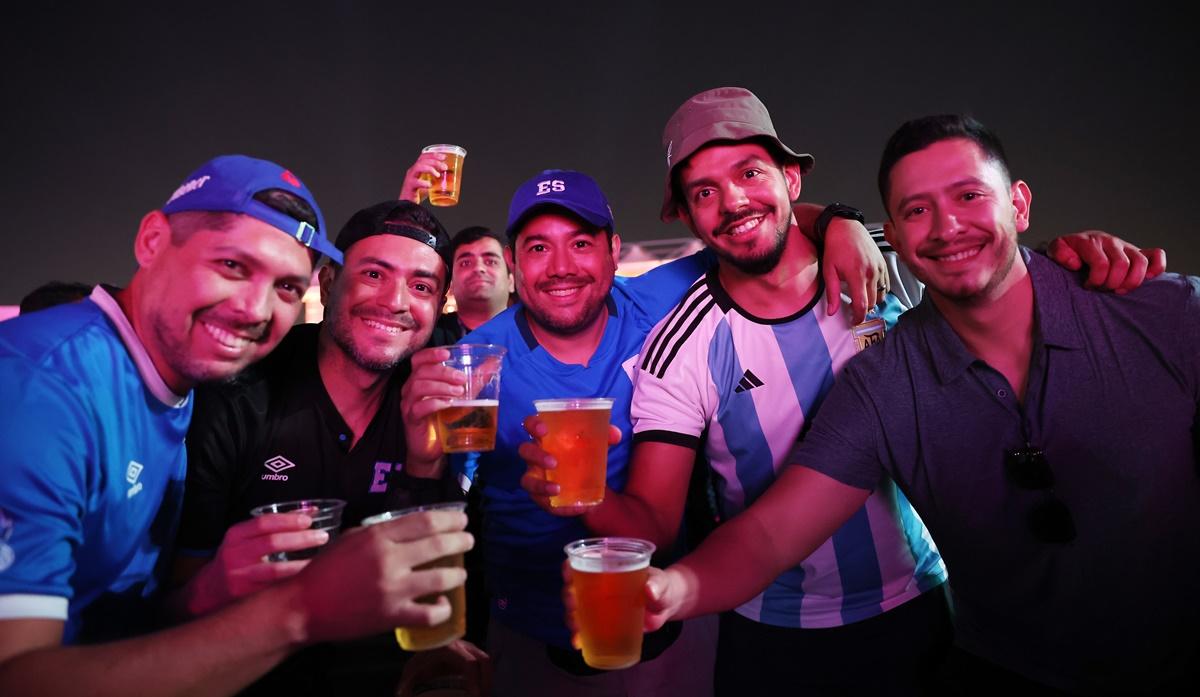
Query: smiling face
(737,200)
(955,217)
(480,273)
(381,305)
(564,270)
(216,299)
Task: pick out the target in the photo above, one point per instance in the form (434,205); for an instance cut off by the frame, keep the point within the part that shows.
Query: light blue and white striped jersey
(745,388)
(91,447)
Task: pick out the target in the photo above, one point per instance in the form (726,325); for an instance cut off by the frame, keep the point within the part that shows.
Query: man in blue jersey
(576,332)
(96,405)
(1046,435)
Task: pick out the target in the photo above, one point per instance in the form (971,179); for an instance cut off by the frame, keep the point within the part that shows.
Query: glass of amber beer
(577,437)
(469,423)
(444,190)
(425,638)
(608,578)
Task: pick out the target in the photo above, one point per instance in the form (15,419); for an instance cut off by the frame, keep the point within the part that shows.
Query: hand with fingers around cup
(414,186)
(538,463)
(241,567)
(368,582)
(429,388)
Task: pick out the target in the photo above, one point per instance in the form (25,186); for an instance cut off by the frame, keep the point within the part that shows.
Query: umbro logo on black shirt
(748,382)
(277,464)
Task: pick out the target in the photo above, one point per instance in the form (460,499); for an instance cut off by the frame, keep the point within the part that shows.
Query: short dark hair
(778,156)
(184,223)
(919,134)
(54,293)
(469,235)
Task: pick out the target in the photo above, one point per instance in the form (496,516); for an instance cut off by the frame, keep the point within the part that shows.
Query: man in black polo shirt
(321,418)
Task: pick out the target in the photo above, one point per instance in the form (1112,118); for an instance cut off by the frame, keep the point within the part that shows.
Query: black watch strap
(836,210)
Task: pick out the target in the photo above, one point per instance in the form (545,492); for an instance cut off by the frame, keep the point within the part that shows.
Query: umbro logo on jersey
(132,472)
(277,464)
(748,382)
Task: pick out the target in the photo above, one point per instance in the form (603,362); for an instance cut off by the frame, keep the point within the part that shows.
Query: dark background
(107,109)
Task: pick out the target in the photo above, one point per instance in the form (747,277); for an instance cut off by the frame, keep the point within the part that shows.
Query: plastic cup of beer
(469,423)
(608,578)
(425,638)
(577,437)
(326,515)
(444,190)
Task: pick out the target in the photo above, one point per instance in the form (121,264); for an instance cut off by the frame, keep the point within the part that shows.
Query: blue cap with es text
(228,184)
(562,188)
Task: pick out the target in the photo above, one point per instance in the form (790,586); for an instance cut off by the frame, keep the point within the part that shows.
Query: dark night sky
(108,108)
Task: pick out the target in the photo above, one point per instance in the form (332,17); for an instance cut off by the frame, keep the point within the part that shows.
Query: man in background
(482,283)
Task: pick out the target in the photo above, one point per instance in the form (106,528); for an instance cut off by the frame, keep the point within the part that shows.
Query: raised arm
(849,256)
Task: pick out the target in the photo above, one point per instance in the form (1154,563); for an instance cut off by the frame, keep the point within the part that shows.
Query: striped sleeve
(672,398)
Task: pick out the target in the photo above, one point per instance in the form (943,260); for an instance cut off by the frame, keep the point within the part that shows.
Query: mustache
(404,319)
(584,279)
(256,331)
(731,220)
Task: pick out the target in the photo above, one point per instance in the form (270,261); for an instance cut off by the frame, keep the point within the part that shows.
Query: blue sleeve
(45,451)
(661,288)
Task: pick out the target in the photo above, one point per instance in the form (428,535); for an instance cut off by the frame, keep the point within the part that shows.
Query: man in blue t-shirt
(577,332)
(1046,435)
(97,399)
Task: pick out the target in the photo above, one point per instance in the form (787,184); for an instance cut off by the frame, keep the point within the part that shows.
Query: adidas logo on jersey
(277,464)
(748,382)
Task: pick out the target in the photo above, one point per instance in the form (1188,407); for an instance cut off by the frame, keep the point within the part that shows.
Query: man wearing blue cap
(576,332)
(97,403)
(321,417)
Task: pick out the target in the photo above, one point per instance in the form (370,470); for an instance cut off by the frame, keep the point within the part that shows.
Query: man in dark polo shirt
(321,417)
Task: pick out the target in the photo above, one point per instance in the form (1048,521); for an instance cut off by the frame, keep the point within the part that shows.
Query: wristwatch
(836,210)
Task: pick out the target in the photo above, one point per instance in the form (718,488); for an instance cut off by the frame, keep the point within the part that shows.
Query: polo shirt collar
(1054,319)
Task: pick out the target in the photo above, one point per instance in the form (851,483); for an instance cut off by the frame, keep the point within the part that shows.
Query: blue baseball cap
(228,184)
(561,188)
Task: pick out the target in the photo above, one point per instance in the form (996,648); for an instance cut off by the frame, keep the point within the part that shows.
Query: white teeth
(226,338)
(562,292)
(959,256)
(390,329)
(746,226)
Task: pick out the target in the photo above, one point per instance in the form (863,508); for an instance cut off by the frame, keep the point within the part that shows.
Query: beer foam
(474,402)
(609,560)
(547,405)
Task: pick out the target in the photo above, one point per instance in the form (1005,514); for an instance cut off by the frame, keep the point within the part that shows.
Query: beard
(340,330)
(180,357)
(756,264)
(567,326)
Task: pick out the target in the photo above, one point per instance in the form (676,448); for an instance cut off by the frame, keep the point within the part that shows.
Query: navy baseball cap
(228,184)
(562,188)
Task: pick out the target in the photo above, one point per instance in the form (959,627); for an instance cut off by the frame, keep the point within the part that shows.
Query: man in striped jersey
(1047,435)
(737,371)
